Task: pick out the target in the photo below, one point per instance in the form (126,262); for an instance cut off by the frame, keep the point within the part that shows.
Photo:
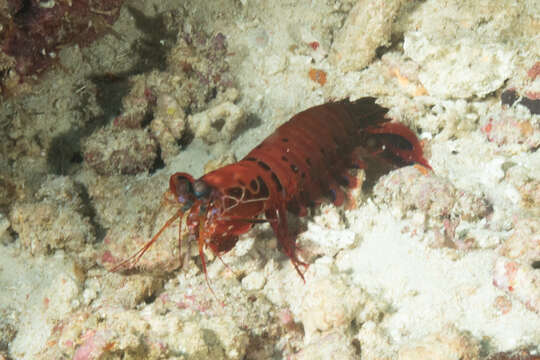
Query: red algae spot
(182,305)
(319,76)
(486,129)
(314,45)
(164,298)
(534,71)
(285,317)
(107,257)
(85,351)
(533,95)
(150,96)
(502,304)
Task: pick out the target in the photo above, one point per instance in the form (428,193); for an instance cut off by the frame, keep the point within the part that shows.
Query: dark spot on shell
(276,180)
(294,168)
(263,191)
(332,194)
(263,165)
(397,141)
(235,192)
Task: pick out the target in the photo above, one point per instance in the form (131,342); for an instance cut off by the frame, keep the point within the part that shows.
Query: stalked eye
(200,189)
(183,186)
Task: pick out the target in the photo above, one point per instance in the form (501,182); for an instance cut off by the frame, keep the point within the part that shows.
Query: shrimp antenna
(131,261)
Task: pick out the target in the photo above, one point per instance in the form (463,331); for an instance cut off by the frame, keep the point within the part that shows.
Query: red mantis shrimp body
(304,160)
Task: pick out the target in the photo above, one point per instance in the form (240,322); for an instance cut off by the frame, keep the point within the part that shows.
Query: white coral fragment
(459,68)
(323,306)
(168,124)
(368,26)
(334,345)
(217,123)
(445,345)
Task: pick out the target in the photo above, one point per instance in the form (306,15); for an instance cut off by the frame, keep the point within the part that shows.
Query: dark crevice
(77,158)
(159,36)
(158,163)
(252,122)
(150,298)
(90,211)
(509,97)
(148,117)
(381,50)
(186,139)
(218,124)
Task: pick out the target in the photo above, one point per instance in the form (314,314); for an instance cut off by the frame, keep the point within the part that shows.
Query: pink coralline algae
(516,271)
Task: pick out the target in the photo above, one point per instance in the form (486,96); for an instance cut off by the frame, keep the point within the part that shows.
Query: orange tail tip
(423,169)
(412,153)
